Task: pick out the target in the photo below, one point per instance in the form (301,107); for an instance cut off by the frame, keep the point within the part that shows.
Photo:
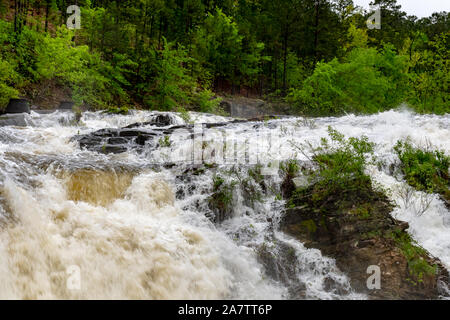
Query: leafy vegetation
(222,197)
(425,169)
(178,55)
(415,255)
(364,82)
(164,142)
(341,191)
(117,110)
(338,166)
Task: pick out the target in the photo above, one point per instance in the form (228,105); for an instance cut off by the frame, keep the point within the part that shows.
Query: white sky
(419,8)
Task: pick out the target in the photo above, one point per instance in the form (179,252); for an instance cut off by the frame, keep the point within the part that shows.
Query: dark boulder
(115,140)
(162,120)
(279,264)
(18,106)
(66,105)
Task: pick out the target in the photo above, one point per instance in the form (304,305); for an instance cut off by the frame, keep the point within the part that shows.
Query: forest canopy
(317,55)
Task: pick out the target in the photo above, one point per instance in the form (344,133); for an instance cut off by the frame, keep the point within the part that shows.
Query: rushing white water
(117,220)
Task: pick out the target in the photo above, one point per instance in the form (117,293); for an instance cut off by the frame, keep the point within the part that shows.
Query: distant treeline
(319,55)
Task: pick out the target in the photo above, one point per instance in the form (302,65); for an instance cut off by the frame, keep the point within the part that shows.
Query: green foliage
(416,256)
(430,75)
(184,114)
(362,211)
(220,49)
(290,168)
(168,55)
(117,110)
(204,101)
(164,142)
(173,84)
(174,87)
(367,81)
(309,225)
(7,80)
(339,166)
(222,196)
(424,169)
(93,82)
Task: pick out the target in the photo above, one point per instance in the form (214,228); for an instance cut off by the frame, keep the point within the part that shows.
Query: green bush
(430,77)
(7,77)
(92,80)
(204,101)
(117,110)
(338,166)
(174,88)
(425,170)
(367,81)
(222,197)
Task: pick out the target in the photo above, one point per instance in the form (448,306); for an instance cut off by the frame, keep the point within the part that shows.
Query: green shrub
(430,75)
(416,256)
(222,197)
(338,166)
(117,110)
(367,81)
(424,169)
(204,101)
(92,80)
(164,141)
(7,80)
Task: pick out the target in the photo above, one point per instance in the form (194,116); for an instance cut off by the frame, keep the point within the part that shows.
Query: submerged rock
(116,140)
(135,136)
(357,230)
(18,120)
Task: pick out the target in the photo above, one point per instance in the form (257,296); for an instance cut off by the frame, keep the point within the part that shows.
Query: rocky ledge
(357,230)
(137,135)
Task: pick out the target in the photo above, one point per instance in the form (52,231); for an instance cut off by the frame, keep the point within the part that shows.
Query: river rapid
(79,224)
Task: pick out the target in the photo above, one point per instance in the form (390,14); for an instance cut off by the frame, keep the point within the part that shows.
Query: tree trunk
(15,15)
(47,10)
(285,43)
(316,30)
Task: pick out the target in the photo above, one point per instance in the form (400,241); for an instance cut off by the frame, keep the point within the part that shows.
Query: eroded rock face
(359,232)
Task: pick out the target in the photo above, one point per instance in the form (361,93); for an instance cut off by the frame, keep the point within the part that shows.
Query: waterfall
(134,228)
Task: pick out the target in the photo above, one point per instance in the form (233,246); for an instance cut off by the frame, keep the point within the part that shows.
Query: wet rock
(358,231)
(66,105)
(18,120)
(135,135)
(109,148)
(159,120)
(18,106)
(116,140)
(162,120)
(279,262)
